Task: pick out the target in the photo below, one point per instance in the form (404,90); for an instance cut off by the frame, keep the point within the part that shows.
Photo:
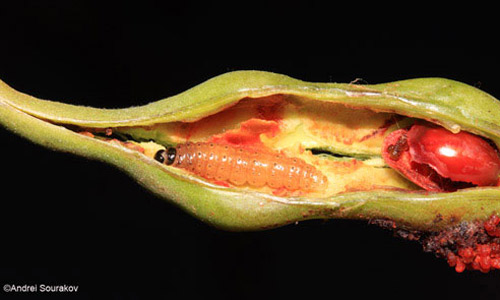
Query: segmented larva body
(239,166)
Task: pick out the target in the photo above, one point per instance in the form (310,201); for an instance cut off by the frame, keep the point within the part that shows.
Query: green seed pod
(336,128)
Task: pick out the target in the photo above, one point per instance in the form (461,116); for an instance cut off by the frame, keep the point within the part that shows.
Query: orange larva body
(240,166)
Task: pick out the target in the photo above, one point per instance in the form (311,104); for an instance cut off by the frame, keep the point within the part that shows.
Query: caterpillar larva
(240,165)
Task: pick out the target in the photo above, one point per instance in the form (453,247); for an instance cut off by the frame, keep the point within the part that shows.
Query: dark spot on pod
(397,149)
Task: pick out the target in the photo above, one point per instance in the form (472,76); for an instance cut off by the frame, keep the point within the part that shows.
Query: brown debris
(465,246)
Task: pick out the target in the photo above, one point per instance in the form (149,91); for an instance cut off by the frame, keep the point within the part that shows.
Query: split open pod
(253,150)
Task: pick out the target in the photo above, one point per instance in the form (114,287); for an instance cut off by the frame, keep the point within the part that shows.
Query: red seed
(467,254)
(495,249)
(460,267)
(452,259)
(485,263)
(495,263)
(483,250)
(491,226)
(475,263)
(459,156)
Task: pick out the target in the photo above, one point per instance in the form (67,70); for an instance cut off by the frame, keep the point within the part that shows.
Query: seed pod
(360,186)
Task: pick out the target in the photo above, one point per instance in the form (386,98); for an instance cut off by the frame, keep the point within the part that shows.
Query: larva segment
(240,165)
(258,175)
(293,172)
(238,175)
(225,165)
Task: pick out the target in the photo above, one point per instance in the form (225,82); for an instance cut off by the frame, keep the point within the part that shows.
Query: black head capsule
(171,154)
(160,156)
(166,157)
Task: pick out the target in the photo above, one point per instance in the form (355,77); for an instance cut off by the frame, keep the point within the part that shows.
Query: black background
(67,220)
